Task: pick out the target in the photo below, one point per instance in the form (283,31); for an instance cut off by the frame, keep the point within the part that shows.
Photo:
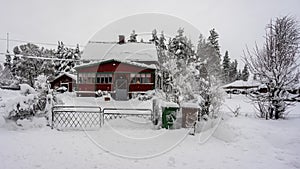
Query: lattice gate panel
(76,119)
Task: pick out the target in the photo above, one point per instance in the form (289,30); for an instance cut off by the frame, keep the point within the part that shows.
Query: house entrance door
(121,87)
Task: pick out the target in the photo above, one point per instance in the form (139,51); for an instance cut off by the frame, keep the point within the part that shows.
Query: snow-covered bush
(19,104)
(100,93)
(26,102)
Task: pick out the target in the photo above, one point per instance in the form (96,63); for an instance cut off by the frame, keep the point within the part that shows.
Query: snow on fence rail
(92,117)
(115,113)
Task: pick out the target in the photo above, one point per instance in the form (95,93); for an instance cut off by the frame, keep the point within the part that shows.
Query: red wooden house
(117,67)
(120,78)
(66,80)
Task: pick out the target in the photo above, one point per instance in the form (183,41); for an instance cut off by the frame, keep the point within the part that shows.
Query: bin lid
(169,104)
(190,105)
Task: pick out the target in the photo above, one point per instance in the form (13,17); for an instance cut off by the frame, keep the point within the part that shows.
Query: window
(140,78)
(104,78)
(86,78)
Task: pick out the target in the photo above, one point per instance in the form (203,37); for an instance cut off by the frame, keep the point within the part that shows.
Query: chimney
(121,39)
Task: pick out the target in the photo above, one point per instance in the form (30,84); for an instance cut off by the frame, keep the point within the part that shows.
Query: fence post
(52,117)
(100,120)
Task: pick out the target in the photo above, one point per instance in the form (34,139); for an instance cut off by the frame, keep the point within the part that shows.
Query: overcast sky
(238,22)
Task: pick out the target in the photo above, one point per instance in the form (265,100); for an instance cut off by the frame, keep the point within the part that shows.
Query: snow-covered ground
(237,142)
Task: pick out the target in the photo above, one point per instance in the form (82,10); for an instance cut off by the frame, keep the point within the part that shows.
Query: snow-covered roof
(74,77)
(241,84)
(152,66)
(130,51)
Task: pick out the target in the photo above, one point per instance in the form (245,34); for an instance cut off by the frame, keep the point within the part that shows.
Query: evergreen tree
(162,41)
(214,41)
(181,48)
(7,63)
(155,39)
(132,37)
(185,75)
(202,54)
(254,77)
(239,75)
(245,73)
(28,66)
(209,53)
(226,67)
(233,72)
(72,56)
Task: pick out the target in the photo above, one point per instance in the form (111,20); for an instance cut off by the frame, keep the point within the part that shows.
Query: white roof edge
(152,66)
(67,74)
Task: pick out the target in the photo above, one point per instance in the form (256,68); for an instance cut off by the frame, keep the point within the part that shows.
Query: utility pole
(7,42)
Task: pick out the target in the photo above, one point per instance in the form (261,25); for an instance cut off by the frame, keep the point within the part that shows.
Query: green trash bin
(169,116)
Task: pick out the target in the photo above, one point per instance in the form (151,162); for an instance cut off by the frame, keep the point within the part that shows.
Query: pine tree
(213,55)
(254,77)
(213,40)
(181,48)
(185,75)
(132,37)
(155,39)
(7,63)
(233,72)
(226,67)
(201,53)
(72,56)
(239,75)
(245,73)
(26,69)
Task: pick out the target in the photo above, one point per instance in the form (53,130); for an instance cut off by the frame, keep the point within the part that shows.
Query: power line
(35,57)
(40,43)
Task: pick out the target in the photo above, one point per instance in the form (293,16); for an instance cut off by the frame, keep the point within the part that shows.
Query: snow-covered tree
(239,75)
(245,73)
(276,66)
(208,52)
(226,68)
(27,65)
(71,56)
(233,72)
(154,39)
(213,41)
(132,37)
(181,47)
(7,62)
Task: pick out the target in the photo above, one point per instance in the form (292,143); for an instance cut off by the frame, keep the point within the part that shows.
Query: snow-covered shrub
(26,102)
(101,93)
(145,96)
(20,106)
